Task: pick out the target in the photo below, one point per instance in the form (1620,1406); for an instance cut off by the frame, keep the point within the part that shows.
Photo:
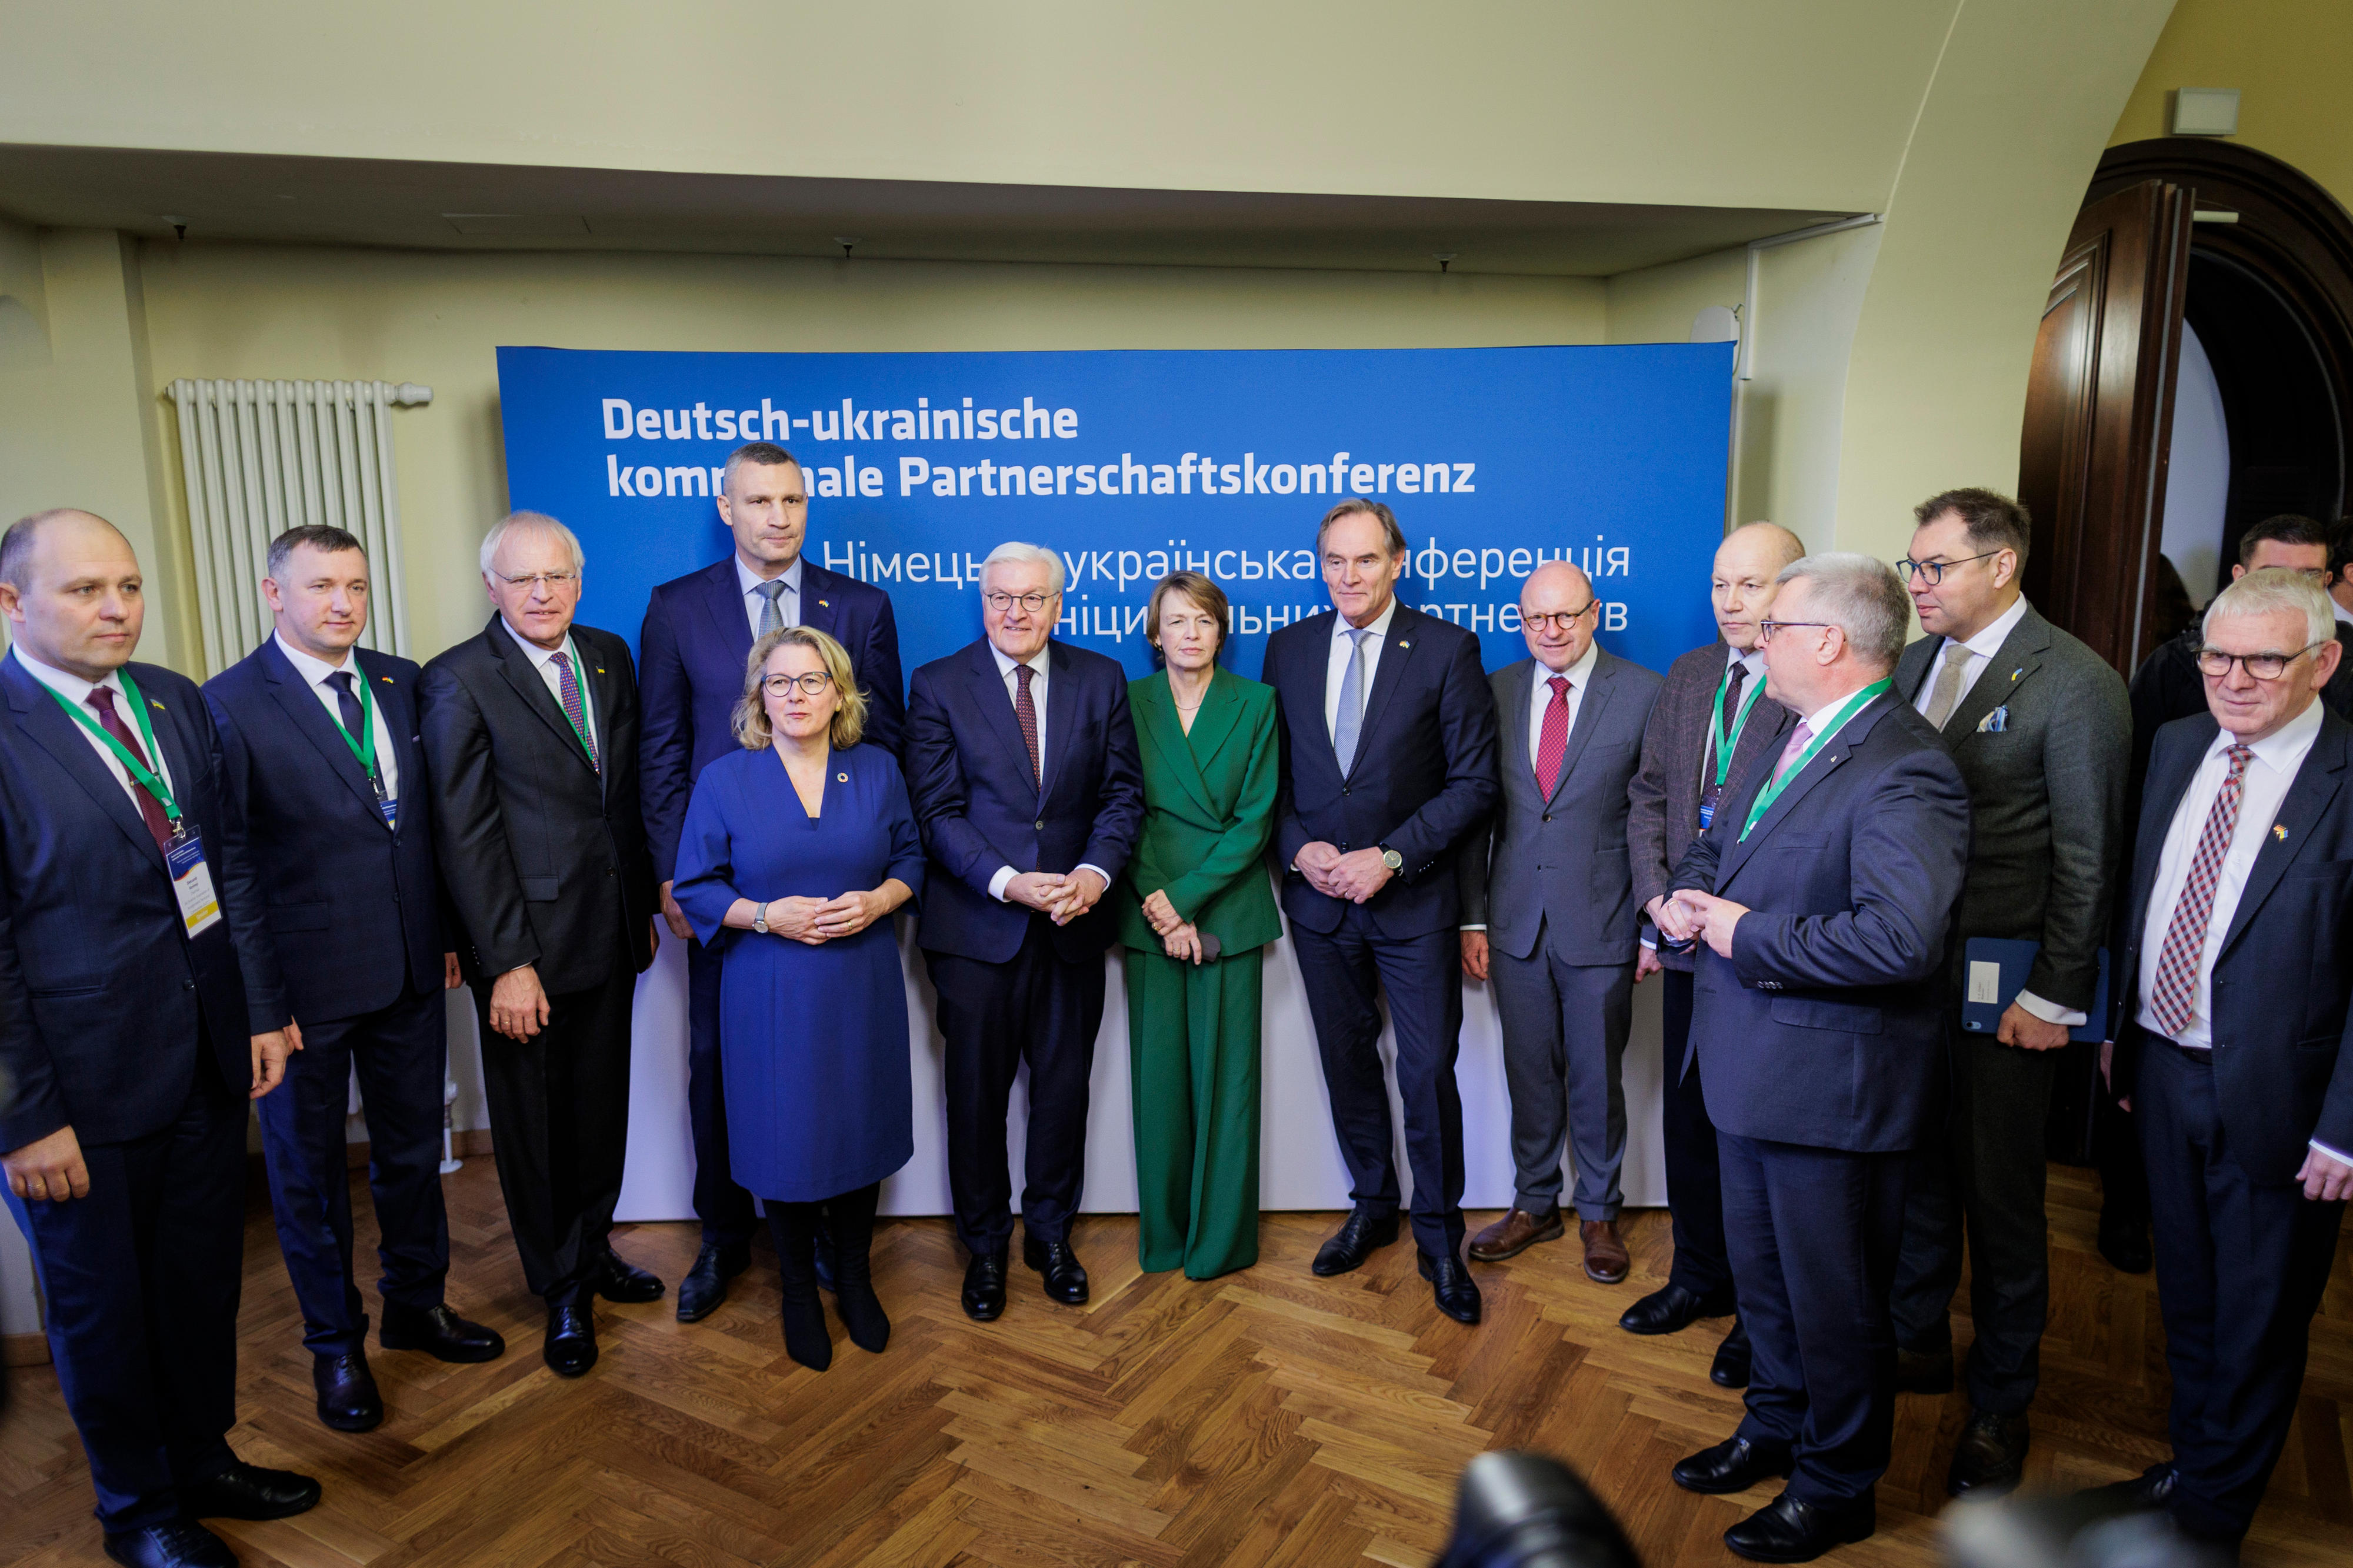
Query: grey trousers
(1564,1028)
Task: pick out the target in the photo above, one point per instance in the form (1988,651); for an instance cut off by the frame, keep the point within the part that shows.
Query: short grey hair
(1862,596)
(530,520)
(1014,552)
(2275,588)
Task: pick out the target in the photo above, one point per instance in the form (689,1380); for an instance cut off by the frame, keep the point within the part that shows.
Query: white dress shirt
(1580,673)
(76,690)
(1980,651)
(314,673)
(1039,663)
(544,660)
(1376,636)
(755,604)
(2342,613)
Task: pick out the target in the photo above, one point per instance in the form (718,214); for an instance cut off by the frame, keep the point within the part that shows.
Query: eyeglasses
(2215,665)
(1002,602)
(813,684)
(1564,619)
(554,582)
(1934,571)
(1764,629)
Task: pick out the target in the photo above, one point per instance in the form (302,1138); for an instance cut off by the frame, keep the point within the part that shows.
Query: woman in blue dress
(796,852)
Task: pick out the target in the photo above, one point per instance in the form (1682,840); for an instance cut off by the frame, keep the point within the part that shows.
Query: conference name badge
(192,881)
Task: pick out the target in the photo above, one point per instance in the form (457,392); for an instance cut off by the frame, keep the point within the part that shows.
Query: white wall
(2198,475)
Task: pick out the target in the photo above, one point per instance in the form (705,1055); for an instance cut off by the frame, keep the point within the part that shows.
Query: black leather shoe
(184,1543)
(1451,1283)
(571,1345)
(1788,1530)
(348,1401)
(2152,1489)
(249,1491)
(984,1287)
(823,1259)
(440,1333)
(1732,1359)
(622,1281)
(1733,1466)
(1359,1237)
(705,1285)
(1990,1456)
(1924,1372)
(2124,1244)
(1673,1310)
(1066,1280)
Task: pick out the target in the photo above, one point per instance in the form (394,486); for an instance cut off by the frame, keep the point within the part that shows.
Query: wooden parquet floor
(1266,1418)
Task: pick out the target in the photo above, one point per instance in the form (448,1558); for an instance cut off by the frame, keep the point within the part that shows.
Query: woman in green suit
(1195,910)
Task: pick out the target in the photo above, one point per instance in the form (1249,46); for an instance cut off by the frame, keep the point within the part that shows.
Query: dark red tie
(158,822)
(1025,711)
(1552,741)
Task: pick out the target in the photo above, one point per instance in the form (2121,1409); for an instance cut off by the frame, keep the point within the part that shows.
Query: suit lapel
(523,675)
(1061,702)
(1817,768)
(723,606)
(604,697)
(400,724)
(1213,726)
(995,708)
(1912,669)
(1589,709)
(1156,716)
(1401,643)
(2017,659)
(2159,805)
(309,715)
(817,602)
(41,720)
(2315,784)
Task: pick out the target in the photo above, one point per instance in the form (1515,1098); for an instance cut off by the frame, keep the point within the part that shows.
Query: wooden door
(2099,407)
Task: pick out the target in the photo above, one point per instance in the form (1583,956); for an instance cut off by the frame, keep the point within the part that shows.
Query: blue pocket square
(1995,722)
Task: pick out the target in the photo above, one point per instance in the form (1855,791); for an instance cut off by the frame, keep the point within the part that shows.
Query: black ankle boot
(807,1339)
(849,1223)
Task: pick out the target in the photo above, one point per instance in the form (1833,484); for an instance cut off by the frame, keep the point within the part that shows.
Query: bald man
(1549,918)
(140,1009)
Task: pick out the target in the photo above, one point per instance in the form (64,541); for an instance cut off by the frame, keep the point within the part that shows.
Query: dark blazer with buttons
(1422,781)
(981,808)
(544,855)
(2282,977)
(1826,1026)
(103,994)
(1557,866)
(354,907)
(2046,798)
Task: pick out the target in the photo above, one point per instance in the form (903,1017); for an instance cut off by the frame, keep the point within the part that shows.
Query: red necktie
(1552,741)
(158,822)
(1026,711)
(2174,998)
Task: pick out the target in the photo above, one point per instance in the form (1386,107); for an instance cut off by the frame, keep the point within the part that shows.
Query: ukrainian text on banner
(1131,464)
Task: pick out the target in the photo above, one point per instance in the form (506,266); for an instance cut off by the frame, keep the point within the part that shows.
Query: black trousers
(141,1278)
(1038,1010)
(1345,973)
(1695,1176)
(2240,1268)
(723,1207)
(1985,1182)
(560,1119)
(400,1054)
(1814,1234)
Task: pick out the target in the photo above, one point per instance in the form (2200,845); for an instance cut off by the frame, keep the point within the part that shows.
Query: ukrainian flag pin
(2279,831)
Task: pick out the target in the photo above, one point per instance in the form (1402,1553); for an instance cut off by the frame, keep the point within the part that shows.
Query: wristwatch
(1392,859)
(760,921)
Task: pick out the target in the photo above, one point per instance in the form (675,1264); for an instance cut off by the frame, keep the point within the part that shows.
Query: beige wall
(2290,61)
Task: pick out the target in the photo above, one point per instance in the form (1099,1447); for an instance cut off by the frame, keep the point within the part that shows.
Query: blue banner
(1131,464)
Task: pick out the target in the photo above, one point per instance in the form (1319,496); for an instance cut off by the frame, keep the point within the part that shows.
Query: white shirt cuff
(1090,866)
(1472,928)
(2051,1012)
(996,883)
(1651,941)
(2339,1155)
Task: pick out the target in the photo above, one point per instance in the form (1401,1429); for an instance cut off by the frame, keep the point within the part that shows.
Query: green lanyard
(141,774)
(1772,790)
(1724,744)
(580,678)
(363,745)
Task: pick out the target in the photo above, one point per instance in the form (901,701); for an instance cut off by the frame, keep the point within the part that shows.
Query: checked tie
(1552,741)
(2174,999)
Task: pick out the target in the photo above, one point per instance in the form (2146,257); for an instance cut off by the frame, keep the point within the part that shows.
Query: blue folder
(1994,973)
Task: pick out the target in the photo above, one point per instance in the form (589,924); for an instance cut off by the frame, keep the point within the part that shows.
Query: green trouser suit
(1193,1030)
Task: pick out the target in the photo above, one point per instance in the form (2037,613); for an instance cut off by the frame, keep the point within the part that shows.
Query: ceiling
(485,208)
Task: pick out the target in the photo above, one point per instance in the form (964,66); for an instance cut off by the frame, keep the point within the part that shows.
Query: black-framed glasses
(813,684)
(1001,601)
(1764,629)
(1934,571)
(1564,619)
(2215,665)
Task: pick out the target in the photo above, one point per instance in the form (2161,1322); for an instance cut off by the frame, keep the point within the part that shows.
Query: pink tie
(1799,739)
(1552,741)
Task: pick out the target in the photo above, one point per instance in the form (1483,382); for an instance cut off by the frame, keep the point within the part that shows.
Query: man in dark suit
(1822,891)
(139,1009)
(1549,917)
(319,739)
(1710,725)
(1388,768)
(698,634)
(530,739)
(1022,767)
(2235,951)
(2041,730)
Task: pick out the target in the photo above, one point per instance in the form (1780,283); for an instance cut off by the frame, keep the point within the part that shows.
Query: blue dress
(812,1040)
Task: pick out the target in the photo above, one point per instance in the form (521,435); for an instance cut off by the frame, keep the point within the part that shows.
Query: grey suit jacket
(1557,867)
(2046,798)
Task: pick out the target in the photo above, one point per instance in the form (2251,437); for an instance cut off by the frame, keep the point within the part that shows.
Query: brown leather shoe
(1604,1256)
(1514,1234)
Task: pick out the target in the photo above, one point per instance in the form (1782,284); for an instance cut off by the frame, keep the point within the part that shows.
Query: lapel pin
(157,705)
(1404,643)
(385,678)
(824,605)
(2015,674)
(842,778)
(2279,831)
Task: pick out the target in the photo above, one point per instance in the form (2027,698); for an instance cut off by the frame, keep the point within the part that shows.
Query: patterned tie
(159,822)
(772,616)
(1948,693)
(1351,717)
(1799,739)
(2174,998)
(1025,710)
(568,692)
(1552,741)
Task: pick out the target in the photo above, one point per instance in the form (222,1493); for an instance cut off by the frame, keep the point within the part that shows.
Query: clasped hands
(1061,897)
(1180,938)
(1687,913)
(1355,876)
(815,921)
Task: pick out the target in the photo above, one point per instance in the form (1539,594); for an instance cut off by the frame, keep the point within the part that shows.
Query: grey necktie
(1351,716)
(771,617)
(1947,694)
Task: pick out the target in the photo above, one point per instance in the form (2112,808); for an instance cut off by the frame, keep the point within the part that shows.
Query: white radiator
(258,457)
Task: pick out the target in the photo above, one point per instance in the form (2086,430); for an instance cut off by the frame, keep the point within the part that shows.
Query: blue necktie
(1352,701)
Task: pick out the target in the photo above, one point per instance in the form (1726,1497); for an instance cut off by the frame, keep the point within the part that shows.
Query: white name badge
(191,881)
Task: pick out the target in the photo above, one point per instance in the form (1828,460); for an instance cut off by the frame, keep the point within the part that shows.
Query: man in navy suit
(1388,767)
(2236,1052)
(1822,891)
(698,634)
(140,1009)
(320,742)
(1022,766)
